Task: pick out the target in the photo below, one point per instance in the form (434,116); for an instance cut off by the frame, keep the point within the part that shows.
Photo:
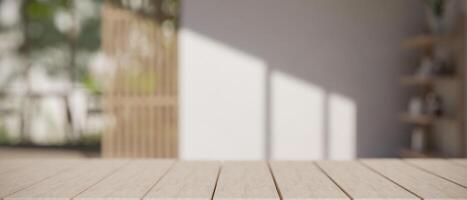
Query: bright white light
(342,127)
(9,12)
(297,118)
(222,100)
(63,21)
(85,9)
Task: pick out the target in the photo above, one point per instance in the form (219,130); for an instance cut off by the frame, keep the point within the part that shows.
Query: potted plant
(442,15)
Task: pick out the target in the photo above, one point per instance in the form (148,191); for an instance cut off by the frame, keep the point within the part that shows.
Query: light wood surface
(462,162)
(304,180)
(443,168)
(69,183)
(24,177)
(132,181)
(361,183)
(187,180)
(155,179)
(246,180)
(421,183)
(14,164)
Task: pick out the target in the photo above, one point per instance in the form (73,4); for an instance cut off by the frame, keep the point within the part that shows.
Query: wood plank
(187,180)
(246,180)
(304,180)
(7,165)
(27,176)
(443,168)
(69,183)
(462,162)
(359,182)
(129,182)
(421,183)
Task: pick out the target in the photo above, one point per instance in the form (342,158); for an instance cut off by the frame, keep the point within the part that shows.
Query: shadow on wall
(293,79)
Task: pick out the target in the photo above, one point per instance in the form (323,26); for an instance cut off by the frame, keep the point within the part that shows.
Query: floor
(151,179)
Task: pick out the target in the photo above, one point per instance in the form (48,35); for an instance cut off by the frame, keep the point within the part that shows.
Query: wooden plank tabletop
(153,179)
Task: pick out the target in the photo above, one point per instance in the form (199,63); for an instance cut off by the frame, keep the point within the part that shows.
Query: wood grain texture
(131,182)
(8,165)
(443,168)
(421,183)
(462,162)
(360,182)
(26,176)
(69,183)
(246,180)
(303,181)
(187,180)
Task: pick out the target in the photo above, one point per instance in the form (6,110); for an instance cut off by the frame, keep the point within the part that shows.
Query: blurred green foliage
(92,139)
(91,84)
(4,139)
(437,6)
(41,33)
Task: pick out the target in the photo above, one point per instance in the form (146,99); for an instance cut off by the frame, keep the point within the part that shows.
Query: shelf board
(424,81)
(424,120)
(424,41)
(408,153)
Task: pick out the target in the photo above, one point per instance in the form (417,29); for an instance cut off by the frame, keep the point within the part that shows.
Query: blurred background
(232,79)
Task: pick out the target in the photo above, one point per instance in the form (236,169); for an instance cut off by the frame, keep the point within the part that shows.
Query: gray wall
(296,79)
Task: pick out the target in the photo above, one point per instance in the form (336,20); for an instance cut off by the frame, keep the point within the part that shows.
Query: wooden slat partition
(142,97)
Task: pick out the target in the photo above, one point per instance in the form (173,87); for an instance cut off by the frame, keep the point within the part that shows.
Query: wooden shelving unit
(408,153)
(422,81)
(432,125)
(423,120)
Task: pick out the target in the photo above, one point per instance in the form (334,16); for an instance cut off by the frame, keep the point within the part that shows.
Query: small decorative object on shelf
(416,106)
(418,140)
(433,105)
(428,105)
(426,68)
(441,15)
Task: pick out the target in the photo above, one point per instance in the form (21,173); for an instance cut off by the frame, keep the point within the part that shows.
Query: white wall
(294,79)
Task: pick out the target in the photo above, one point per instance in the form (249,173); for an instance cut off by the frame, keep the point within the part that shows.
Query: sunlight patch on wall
(221,100)
(297,118)
(342,127)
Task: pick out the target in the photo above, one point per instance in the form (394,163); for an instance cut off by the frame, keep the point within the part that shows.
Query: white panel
(222,98)
(342,127)
(297,118)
